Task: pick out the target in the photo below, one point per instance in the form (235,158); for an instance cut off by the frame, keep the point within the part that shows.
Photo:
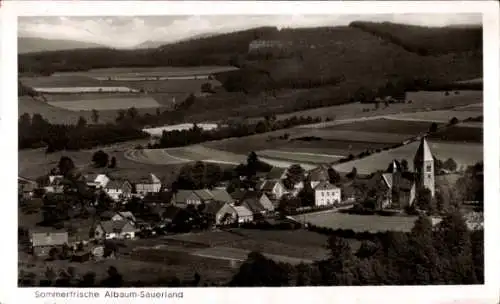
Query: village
(87,218)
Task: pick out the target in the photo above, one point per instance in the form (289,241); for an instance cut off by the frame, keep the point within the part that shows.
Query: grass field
(153,71)
(357,136)
(107,103)
(359,223)
(460,133)
(63,82)
(443,116)
(463,153)
(301,157)
(384,125)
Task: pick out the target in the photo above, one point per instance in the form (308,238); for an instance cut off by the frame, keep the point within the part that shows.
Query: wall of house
(278,191)
(327,197)
(222,212)
(115,194)
(147,188)
(245,219)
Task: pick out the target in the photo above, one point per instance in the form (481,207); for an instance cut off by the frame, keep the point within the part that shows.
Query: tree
(259,271)
(424,200)
(206,87)
(333,176)
(65,165)
(88,279)
(132,113)
(252,164)
(100,159)
(158,112)
(295,174)
(450,164)
(453,121)
(114,278)
(112,163)
(53,253)
(82,122)
(95,116)
(338,269)
(121,116)
(353,173)
(404,165)
(433,128)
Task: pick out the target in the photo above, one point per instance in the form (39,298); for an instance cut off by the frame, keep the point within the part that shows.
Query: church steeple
(423,163)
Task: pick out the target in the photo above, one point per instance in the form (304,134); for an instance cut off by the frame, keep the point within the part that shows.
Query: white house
(244,214)
(150,184)
(118,190)
(326,194)
(122,229)
(97,180)
(55,184)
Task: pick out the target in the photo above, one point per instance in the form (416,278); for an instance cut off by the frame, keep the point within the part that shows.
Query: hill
(35,45)
(427,40)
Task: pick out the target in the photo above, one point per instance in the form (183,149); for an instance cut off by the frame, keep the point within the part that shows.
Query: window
(429,168)
(322,193)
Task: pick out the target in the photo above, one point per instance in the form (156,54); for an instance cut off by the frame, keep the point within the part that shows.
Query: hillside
(34,45)
(427,40)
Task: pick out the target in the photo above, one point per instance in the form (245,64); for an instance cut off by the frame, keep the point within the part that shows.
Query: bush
(453,121)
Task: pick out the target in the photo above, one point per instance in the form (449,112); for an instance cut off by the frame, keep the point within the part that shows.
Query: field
(464,154)
(153,71)
(385,125)
(62,82)
(356,136)
(436,116)
(359,223)
(107,103)
(300,157)
(462,133)
(179,127)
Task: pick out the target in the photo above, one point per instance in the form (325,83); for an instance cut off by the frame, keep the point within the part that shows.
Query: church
(402,186)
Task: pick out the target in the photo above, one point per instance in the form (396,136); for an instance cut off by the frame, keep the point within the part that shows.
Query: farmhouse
(97,180)
(318,175)
(121,229)
(26,187)
(326,194)
(118,190)
(274,189)
(220,212)
(244,215)
(183,198)
(43,242)
(150,184)
(55,185)
(255,201)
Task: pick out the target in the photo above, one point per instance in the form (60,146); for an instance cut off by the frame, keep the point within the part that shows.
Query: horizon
(131,32)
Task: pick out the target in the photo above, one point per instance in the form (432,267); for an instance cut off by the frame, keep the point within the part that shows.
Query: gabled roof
(325,186)
(254,205)
(114,184)
(268,185)
(276,173)
(49,238)
(117,226)
(221,195)
(181,195)
(243,211)
(423,152)
(149,179)
(238,194)
(319,173)
(387,179)
(213,207)
(23,180)
(158,197)
(204,194)
(403,181)
(127,215)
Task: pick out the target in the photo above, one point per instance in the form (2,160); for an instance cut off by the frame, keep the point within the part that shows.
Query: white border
(488,293)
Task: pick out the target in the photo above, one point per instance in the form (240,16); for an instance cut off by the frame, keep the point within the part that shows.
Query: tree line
(35,132)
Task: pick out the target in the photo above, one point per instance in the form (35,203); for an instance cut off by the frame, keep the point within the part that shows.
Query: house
(150,184)
(26,187)
(222,195)
(161,199)
(124,215)
(326,194)
(122,229)
(183,198)
(244,215)
(118,190)
(43,242)
(274,189)
(257,202)
(221,213)
(55,185)
(97,180)
(318,175)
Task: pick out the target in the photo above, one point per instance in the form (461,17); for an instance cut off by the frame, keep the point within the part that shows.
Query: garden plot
(460,133)
(359,223)
(107,103)
(61,81)
(153,157)
(463,153)
(454,98)
(357,136)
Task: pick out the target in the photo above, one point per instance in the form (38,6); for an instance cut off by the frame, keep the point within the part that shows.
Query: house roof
(213,207)
(221,195)
(402,180)
(49,238)
(107,214)
(243,211)
(325,186)
(238,194)
(319,174)
(268,185)
(127,215)
(423,152)
(23,180)
(117,226)
(149,179)
(181,195)
(204,194)
(159,197)
(253,204)
(276,173)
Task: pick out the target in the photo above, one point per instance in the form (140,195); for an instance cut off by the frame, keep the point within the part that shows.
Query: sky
(124,32)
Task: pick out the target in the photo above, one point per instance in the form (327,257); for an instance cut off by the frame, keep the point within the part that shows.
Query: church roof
(423,152)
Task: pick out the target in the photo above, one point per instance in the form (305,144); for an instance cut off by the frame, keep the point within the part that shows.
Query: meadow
(110,103)
(359,223)
(152,71)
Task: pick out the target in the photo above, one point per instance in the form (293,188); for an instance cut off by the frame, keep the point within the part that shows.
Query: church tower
(423,164)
